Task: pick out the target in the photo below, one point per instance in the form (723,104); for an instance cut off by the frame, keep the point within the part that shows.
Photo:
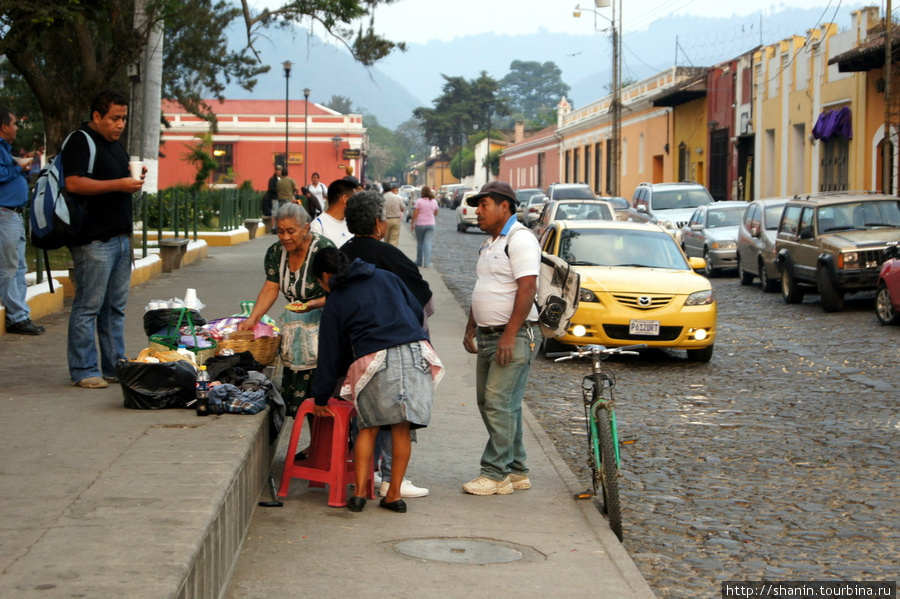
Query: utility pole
(887,159)
(616,104)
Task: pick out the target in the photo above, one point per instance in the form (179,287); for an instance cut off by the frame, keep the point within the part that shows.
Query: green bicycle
(603,435)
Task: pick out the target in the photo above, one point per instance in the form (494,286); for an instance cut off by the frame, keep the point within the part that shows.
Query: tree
(67,51)
(533,91)
(340,104)
(462,105)
(15,95)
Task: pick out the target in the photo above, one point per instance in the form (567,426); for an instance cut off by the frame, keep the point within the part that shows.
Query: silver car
(756,243)
(711,234)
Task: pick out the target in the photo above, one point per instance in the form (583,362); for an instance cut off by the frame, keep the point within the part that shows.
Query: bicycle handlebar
(590,350)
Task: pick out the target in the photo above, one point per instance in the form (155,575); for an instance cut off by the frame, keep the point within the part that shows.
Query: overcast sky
(418,21)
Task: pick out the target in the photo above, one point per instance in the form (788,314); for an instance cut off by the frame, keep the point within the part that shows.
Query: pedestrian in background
(271,196)
(13,198)
(102,251)
(320,190)
(393,211)
(423,221)
(502,330)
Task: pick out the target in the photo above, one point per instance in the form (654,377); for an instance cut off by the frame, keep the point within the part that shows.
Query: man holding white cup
(98,174)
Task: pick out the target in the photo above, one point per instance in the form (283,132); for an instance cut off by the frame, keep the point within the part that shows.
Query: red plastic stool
(330,461)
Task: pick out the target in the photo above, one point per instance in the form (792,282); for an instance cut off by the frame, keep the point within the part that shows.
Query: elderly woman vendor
(372,336)
(288,272)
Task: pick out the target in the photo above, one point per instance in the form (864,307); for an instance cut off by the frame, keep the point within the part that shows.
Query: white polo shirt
(332,228)
(494,295)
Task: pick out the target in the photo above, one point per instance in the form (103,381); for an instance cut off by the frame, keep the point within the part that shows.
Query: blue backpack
(56,217)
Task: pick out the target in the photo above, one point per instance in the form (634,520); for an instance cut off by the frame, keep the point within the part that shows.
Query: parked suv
(834,241)
(570,191)
(669,205)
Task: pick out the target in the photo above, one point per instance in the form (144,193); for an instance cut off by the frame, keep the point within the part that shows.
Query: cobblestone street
(776,460)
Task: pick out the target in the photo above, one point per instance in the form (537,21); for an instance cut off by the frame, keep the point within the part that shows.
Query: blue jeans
(499,392)
(12,266)
(102,282)
(424,239)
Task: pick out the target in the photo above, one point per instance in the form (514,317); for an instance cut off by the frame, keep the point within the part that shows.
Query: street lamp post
(615,105)
(336,140)
(287,77)
(306,91)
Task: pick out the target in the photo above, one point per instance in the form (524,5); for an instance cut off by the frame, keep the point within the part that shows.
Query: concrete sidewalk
(100,501)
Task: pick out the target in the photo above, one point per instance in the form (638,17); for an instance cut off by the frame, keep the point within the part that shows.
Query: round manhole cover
(460,551)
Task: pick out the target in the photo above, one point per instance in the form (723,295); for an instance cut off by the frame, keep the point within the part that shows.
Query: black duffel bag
(157,386)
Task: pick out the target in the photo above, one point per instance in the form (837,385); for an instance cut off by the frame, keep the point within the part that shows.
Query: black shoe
(24,327)
(356,504)
(398,506)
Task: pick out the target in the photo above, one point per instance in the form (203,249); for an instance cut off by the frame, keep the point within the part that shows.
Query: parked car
(756,243)
(465,214)
(712,233)
(637,286)
(835,242)
(533,211)
(570,191)
(668,205)
(619,206)
(554,210)
(523,196)
(887,297)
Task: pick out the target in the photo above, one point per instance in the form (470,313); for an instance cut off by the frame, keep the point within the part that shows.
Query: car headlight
(700,298)
(724,245)
(586,295)
(848,260)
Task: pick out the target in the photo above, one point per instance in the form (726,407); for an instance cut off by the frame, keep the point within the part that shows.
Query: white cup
(136,167)
(190,298)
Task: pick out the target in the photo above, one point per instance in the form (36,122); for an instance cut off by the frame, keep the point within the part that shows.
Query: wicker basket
(264,349)
(201,355)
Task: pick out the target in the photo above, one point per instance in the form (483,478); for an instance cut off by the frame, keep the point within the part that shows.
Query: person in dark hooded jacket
(371,334)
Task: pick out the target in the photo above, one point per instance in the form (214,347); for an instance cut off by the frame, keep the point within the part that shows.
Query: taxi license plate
(644,327)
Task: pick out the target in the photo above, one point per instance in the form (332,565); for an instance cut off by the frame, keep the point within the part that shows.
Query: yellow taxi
(637,286)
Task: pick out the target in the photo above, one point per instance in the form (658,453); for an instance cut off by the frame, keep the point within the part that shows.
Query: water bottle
(202,392)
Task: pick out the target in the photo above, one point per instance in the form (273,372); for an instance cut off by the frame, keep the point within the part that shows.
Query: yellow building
(647,137)
(811,119)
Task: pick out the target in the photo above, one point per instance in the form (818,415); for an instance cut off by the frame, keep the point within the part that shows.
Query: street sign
(350,154)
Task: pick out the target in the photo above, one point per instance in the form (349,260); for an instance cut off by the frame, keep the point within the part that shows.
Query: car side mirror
(696,227)
(697,263)
(642,209)
(806,233)
(754,231)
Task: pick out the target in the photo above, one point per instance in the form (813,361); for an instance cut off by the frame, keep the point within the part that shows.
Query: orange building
(251,140)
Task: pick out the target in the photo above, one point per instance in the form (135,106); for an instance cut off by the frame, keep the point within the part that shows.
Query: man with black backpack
(13,197)
(504,332)
(101,251)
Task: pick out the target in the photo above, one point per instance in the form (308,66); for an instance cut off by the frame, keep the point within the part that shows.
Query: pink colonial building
(251,141)
(531,161)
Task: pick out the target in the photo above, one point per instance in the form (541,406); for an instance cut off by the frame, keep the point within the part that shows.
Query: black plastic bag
(164,321)
(157,386)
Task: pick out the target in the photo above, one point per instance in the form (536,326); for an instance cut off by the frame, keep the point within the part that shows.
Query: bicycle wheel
(607,472)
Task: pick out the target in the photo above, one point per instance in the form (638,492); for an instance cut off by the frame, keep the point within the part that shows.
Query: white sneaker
(377,479)
(485,486)
(407,489)
(520,482)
